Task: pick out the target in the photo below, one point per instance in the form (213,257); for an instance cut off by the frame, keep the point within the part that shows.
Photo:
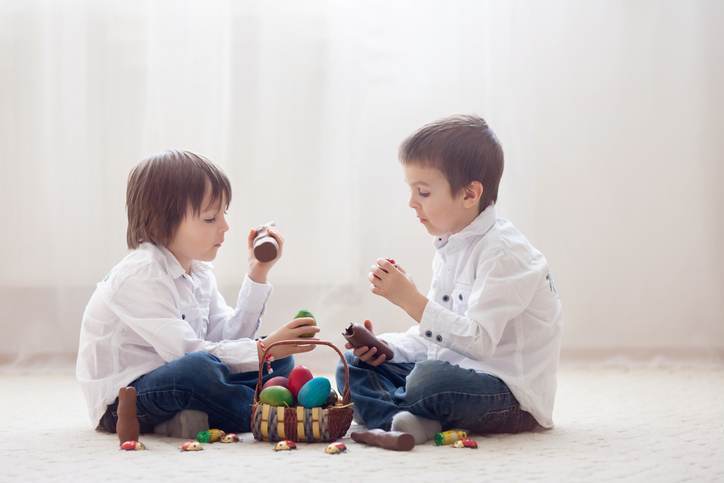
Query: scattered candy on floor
(449,437)
(210,436)
(230,438)
(132,445)
(285,446)
(191,446)
(335,448)
(466,443)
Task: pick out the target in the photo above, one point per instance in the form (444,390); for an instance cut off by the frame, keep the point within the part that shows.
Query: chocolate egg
(276,396)
(277,381)
(298,378)
(315,392)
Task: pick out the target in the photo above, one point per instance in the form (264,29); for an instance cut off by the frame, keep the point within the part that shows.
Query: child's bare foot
(127,425)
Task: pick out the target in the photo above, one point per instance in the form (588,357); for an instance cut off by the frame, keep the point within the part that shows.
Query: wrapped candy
(335,448)
(449,437)
(132,445)
(285,446)
(229,438)
(466,443)
(191,446)
(210,436)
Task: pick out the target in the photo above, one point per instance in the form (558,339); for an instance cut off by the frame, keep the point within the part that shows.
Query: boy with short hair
(484,351)
(157,322)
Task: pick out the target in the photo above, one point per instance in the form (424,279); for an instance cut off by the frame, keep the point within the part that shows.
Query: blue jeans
(456,397)
(197,381)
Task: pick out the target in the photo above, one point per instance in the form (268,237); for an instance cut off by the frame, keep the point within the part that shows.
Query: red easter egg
(276,381)
(297,378)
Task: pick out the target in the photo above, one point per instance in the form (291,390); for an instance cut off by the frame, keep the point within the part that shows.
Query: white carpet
(613,424)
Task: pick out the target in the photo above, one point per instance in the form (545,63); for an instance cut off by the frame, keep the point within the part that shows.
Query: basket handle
(345,395)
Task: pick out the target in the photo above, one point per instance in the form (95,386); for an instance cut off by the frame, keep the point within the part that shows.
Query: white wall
(610,114)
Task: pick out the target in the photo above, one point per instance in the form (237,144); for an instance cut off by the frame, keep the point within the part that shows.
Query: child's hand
(367,354)
(297,328)
(390,281)
(258,271)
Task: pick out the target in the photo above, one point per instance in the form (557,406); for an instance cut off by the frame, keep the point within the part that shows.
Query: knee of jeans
(198,365)
(424,376)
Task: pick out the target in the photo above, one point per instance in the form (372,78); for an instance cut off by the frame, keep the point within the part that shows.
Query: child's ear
(472,194)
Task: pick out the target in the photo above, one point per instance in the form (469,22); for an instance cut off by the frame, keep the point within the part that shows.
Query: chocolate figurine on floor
(392,440)
(127,426)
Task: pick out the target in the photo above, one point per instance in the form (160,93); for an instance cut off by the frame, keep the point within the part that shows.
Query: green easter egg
(305,313)
(276,396)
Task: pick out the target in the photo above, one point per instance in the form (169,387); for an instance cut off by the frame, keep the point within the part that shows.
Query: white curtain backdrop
(610,114)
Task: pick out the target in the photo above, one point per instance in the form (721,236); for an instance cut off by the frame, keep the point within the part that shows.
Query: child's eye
(423,194)
(210,220)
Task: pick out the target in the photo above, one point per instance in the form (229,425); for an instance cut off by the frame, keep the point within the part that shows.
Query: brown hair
(161,189)
(464,149)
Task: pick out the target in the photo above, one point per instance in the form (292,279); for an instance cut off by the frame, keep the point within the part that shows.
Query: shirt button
(428,333)
(183,316)
(445,298)
(438,338)
(460,296)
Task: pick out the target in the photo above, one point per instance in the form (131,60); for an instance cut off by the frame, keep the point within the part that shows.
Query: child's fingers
(379,360)
(306,331)
(374,278)
(250,239)
(373,271)
(362,352)
(376,266)
(348,346)
(369,355)
(379,273)
(369,325)
(384,264)
(300,322)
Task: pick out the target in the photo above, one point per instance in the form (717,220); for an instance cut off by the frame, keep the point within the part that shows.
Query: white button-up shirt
(149,311)
(493,308)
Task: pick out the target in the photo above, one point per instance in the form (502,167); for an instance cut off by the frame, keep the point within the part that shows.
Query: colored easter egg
(298,378)
(277,381)
(315,392)
(276,396)
(306,313)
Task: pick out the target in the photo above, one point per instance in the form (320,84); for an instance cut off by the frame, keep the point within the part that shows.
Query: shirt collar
(174,268)
(478,227)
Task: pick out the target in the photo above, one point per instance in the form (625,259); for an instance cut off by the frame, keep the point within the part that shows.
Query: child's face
(199,236)
(430,196)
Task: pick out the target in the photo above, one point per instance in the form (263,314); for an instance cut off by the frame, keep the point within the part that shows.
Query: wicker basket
(297,423)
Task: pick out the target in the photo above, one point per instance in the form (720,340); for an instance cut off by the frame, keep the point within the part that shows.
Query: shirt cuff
(433,326)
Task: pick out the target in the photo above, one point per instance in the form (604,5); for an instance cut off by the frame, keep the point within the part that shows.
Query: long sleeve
(244,320)
(148,308)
